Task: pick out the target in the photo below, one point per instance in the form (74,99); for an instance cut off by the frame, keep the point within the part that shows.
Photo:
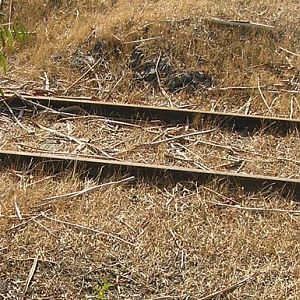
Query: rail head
(92,167)
(232,121)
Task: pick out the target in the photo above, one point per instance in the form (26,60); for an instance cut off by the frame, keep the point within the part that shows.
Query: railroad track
(232,121)
(93,167)
(57,162)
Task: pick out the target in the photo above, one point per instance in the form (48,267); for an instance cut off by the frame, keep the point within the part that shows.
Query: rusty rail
(94,167)
(169,115)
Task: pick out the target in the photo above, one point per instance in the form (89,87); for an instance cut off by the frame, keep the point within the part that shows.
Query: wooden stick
(47,109)
(10,15)
(18,212)
(226,290)
(62,135)
(30,275)
(159,82)
(25,222)
(240,23)
(257,209)
(263,96)
(238,88)
(16,119)
(83,75)
(290,52)
(178,137)
(292,108)
(144,40)
(43,226)
(195,156)
(105,120)
(113,87)
(88,229)
(86,191)
(47,82)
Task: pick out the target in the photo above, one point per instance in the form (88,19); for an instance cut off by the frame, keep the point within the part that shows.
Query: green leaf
(101,291)
(8,35)
(9,39)
(21,33)
(3,62)
(2,37)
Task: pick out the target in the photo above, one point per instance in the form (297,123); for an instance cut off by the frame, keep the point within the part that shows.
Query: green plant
(10,34)
(101,291)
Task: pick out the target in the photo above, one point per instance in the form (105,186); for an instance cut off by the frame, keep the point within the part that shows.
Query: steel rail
(234,121)
(94,167)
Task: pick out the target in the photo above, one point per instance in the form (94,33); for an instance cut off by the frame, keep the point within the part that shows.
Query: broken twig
(226,290)
(82,227)
(86,191)
(178,137)
(240,23)
(30,275)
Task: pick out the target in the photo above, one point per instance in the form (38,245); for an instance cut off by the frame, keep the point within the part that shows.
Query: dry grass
(66,35)
(182,241)
(184,246)
(260,153)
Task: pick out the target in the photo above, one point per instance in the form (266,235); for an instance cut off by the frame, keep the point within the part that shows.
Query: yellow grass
(233,56)
(183,244)
(180,241)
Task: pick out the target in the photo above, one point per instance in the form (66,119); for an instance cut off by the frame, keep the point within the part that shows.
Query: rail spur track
(134,113)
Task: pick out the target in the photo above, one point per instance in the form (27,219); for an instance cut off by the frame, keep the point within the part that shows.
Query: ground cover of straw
(210,148)
(182,245)
(151,240)
(71,37)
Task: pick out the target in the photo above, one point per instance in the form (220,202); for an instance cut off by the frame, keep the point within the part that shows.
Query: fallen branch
(113,87)
(47,109)
(18,211)
(17,120)
(61,135)
(83,75)
(159,82)
(30,275)
(103,119)
(289,52)
(263,96)
(25,222)
(144,40)
(240,23)
(226,290)
(86,191)
(88,229)
(178,137)
(257,209)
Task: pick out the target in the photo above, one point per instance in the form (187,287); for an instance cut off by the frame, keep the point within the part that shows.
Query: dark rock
(98,49)
(137,57)
(148,72)
(189,80)
(78,59)
(164,69)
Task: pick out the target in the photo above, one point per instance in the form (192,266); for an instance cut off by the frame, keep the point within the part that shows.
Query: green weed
(101,291)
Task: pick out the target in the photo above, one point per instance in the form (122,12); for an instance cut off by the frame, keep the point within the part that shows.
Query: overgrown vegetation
(186,240)
(178,35)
